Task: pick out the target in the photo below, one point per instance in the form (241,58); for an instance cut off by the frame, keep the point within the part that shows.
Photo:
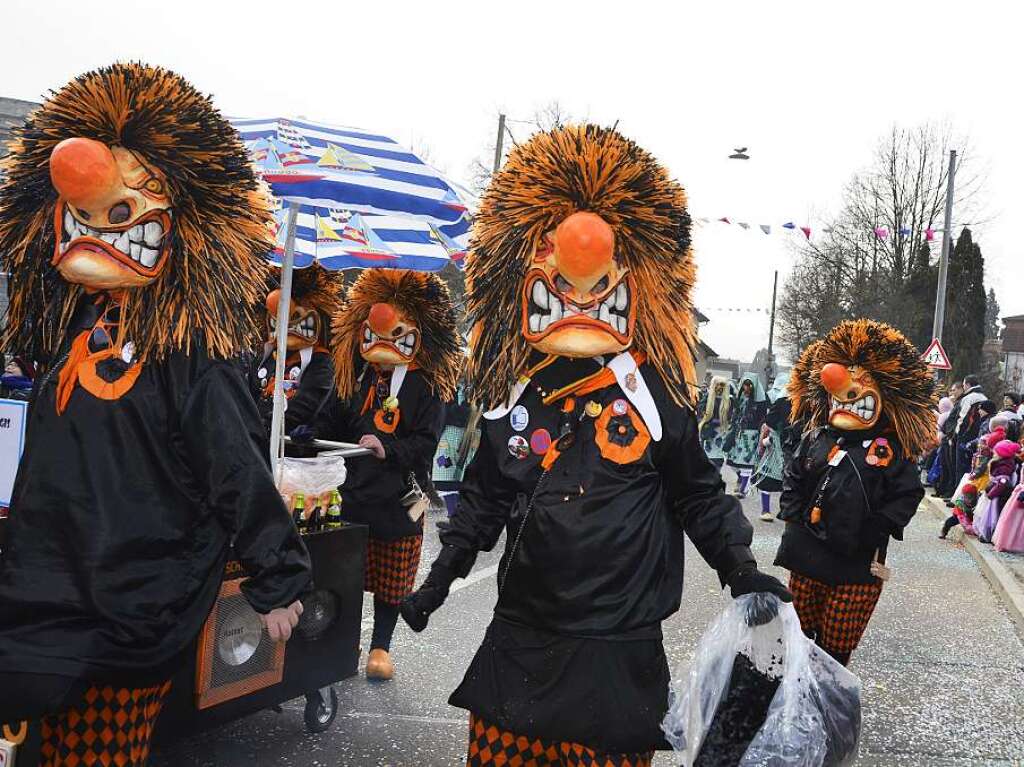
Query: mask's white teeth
(153,233)
(534,323)
(149,257)
(621,297)
(540,294)
(123,243)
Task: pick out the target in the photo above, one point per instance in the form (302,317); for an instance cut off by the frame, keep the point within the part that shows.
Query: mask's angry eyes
(548,306)
(404,345)
(303,325)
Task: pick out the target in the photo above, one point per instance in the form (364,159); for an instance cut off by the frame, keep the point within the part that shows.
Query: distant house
(1013,352)
(705,357)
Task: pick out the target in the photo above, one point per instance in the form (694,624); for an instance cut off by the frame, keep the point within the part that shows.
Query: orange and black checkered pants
(110,727)
(391,568)
(490,745)
(835,616)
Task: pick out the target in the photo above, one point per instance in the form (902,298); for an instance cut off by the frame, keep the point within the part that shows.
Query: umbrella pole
(283,312)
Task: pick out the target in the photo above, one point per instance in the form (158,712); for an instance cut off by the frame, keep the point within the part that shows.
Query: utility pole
(501,141)
(947,239)
(769,372)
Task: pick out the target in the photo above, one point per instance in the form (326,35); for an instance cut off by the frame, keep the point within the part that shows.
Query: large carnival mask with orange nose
(315,297)
(865,375)
(580,248)
(112,217)
(576,298)
(856,399)
(389,337)
(128,182)
(392,318)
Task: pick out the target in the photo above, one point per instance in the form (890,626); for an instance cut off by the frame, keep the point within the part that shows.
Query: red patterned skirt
(110,727)
(391,567)
(836,616)
(490,745)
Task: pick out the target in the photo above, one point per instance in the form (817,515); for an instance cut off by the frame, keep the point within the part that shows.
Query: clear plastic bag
(763,695)
(312,476)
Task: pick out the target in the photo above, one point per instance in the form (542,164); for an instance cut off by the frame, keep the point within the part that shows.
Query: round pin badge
(540,441)
(262,374)
(871,460)
(519,418)
(620,406)
(518,447)
(294,374)
(593,409)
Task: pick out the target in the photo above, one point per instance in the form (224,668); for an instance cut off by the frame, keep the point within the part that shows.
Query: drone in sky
(739,154)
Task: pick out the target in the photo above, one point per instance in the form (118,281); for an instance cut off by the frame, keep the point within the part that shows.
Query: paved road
(941,665)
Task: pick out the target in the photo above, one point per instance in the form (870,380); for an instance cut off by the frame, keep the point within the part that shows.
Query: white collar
(397,378)
(622,365)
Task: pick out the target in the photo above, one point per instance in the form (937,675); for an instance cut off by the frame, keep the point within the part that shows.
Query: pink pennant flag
(881,232)
(766,228)
(724,220)
(929,234)
(807,231)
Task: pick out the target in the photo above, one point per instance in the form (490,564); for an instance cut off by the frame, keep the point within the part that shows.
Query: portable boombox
(235,670)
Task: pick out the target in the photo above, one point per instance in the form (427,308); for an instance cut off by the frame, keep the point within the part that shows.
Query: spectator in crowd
(16,382)
(967,419)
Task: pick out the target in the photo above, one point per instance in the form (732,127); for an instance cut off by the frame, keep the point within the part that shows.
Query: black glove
(747,579)
(418,606)
(303,434)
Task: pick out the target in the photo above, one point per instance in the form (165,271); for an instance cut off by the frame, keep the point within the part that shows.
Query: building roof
(706,350)
(701,318)
(1014,318)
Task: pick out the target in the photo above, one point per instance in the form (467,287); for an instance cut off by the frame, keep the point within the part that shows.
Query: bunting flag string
(880,233)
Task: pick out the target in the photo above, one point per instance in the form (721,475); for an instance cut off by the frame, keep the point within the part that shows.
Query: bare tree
(901,195)
(550,115)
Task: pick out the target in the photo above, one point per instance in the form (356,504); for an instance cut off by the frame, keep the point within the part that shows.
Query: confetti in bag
(762,695)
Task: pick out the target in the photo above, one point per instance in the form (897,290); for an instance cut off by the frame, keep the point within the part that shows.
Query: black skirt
(607,693)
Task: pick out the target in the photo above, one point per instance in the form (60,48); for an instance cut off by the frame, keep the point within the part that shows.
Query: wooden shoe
(379,665)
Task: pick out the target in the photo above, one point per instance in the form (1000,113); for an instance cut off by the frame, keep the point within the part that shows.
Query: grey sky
(809,87)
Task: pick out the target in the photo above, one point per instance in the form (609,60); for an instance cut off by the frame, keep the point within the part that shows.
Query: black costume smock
(310,396)
(121,519)
(863,504)
(574,652)
(372,492)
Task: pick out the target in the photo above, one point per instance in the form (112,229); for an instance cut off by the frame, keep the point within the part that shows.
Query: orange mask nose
(382,319)
(835,378)
(84,172)
(585,247)
(273,300)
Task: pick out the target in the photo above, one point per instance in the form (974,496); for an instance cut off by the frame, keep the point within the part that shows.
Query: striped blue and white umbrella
(364,200)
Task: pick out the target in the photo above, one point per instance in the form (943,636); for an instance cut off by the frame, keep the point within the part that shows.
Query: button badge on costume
(619,407)
(518,447)
(592,409)
(519,418)
(540,441)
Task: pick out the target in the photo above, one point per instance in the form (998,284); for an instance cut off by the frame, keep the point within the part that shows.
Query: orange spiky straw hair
(550,177)
(421,297)
(905,383)
(213,285)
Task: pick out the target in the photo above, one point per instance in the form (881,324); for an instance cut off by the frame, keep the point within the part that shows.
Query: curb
(1008,589)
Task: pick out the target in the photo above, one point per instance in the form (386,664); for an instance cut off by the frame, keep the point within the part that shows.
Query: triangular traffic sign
(936,356)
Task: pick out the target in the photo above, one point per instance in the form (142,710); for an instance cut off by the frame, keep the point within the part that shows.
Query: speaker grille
(236,656)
